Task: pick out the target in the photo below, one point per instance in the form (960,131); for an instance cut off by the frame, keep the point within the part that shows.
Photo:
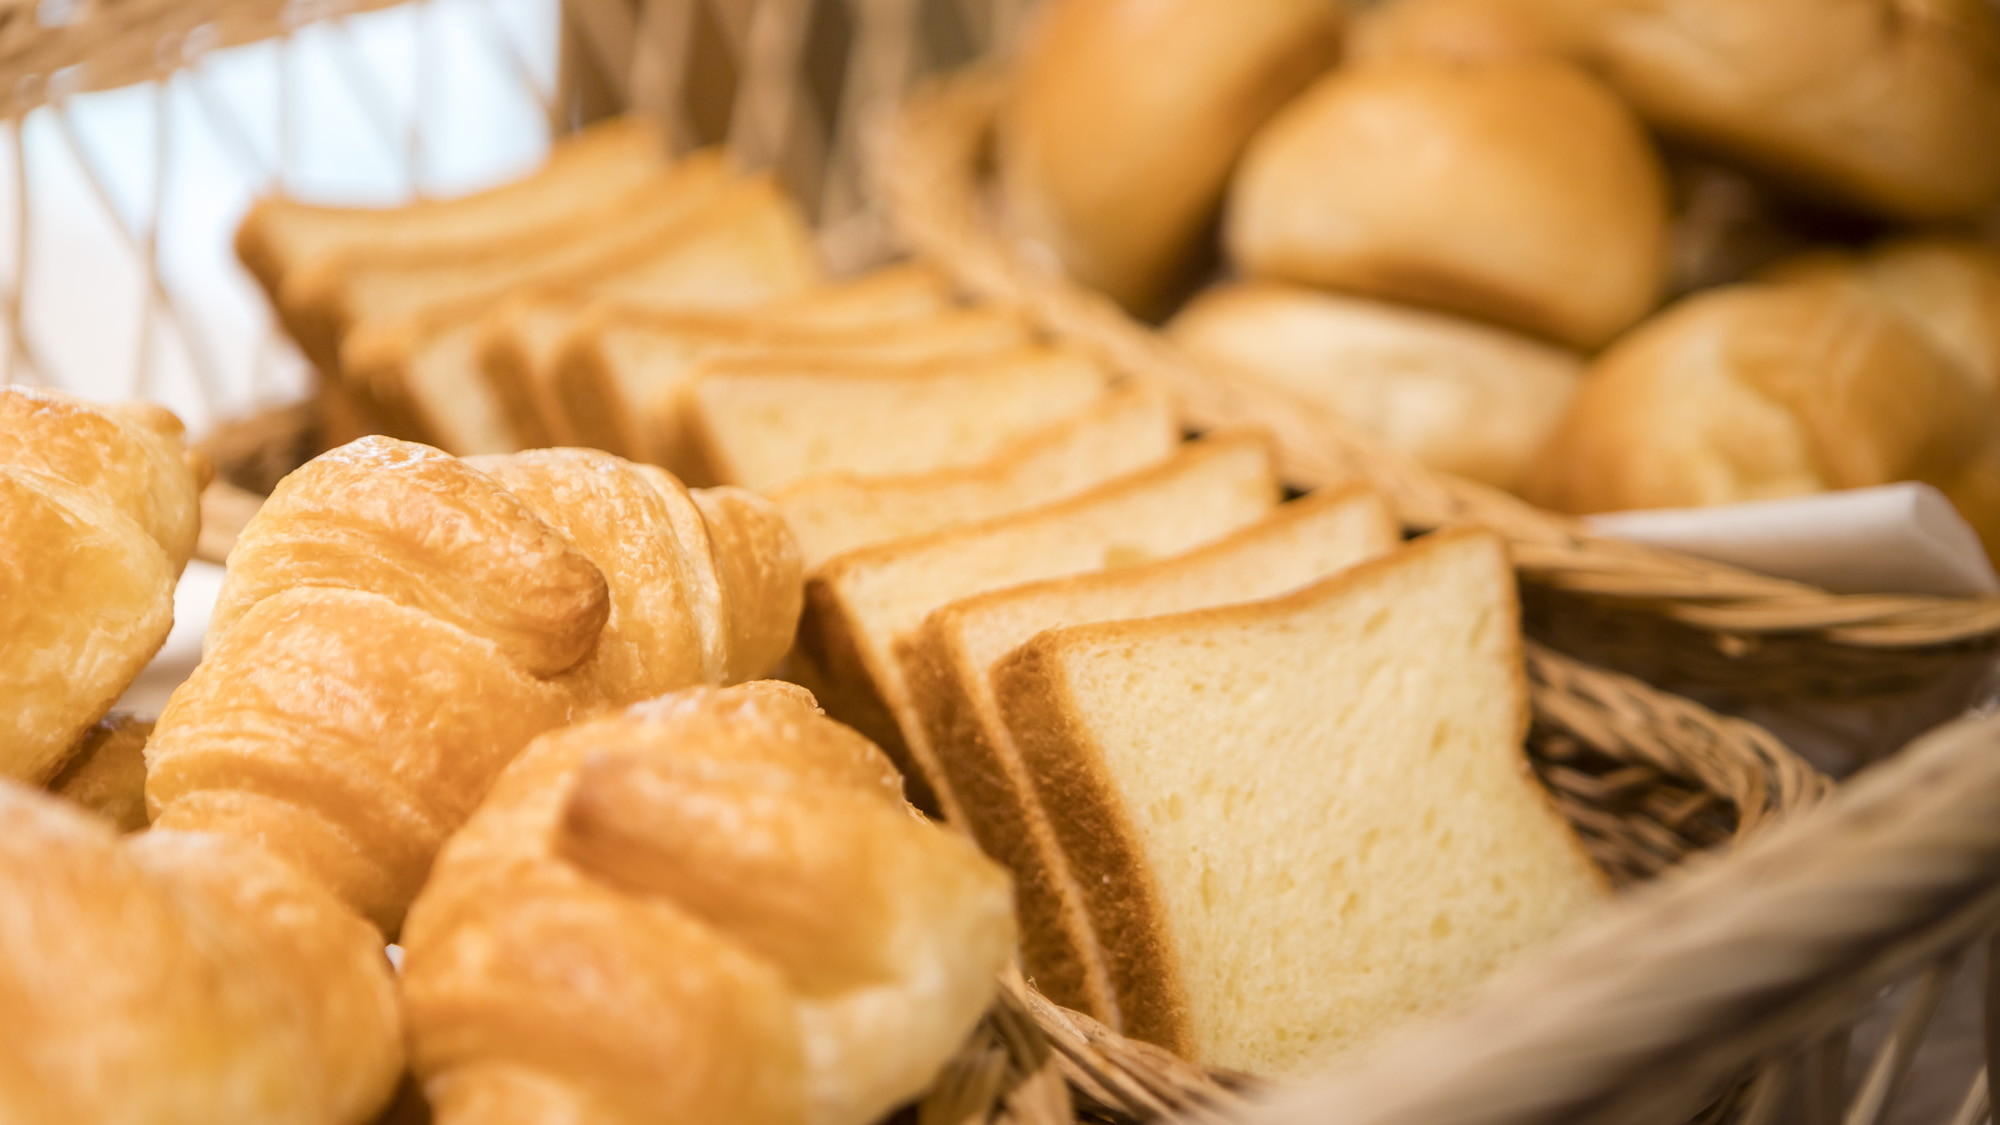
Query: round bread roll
(1452,394)
(1947,287)
(1890,105)
(1126,117)
(1519,192)
(1454,30)
(1766,390)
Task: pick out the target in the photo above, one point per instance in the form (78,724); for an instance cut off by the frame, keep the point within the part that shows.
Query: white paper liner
(1894,539)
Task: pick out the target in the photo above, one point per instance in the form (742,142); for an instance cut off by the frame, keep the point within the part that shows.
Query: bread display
(713,906)
(1767,390)
(1453,394)
(1867,103)
(1127,117)
(832,514)
(1564,236)
(762,422)
(862,606)
(429,616)
(106,773)
(948,660)
(169,978)
(1301,823)
(98,515)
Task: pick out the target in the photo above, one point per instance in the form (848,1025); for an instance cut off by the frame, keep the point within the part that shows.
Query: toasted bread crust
(1058,948)
(1099,840)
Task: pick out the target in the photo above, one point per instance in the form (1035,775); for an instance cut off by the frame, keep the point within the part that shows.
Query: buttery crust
(178,979)
(427,618)
(713,906)
(99,511)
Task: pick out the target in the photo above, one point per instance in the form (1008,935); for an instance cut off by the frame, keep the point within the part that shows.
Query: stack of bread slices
(1256,765)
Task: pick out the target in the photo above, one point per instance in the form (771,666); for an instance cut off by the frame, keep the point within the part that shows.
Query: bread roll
(1758,391)
(1947,287)
(1452,394)
(1127,116)
(1520,192)
(1889,105)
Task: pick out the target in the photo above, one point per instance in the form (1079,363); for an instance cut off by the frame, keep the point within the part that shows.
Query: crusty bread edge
(1068,769)
(1058,947)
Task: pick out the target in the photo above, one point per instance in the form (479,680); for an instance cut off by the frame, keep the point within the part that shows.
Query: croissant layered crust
(397,623)
(98,514)
(180,979)
(714,906)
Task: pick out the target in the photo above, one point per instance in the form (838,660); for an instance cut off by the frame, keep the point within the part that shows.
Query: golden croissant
(714,907)
(180,979)
(396,624)
(98,514)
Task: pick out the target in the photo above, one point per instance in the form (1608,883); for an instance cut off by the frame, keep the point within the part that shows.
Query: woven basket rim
(927,168)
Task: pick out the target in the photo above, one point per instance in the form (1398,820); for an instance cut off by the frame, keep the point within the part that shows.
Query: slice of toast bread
(628,385)
(323,300)
(834,513)
(1301,822)
(525,348)
(860,605)
(947,663)
(764,422)
(743,248)
(593,169)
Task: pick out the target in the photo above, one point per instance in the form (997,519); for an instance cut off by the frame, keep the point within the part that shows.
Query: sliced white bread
(947,664)
(629,385)
(742,248)
(590,171)
(862,604)
(835,513)
(1302,822)
(525,347)
(761,423)
(322,300)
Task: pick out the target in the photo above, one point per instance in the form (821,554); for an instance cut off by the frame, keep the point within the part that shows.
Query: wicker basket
(1668,617)
(1649,779)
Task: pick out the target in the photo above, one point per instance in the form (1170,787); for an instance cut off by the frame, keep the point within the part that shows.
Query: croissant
(715,906)
(179,979)
(396,624)
(98,514)
(107,771)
